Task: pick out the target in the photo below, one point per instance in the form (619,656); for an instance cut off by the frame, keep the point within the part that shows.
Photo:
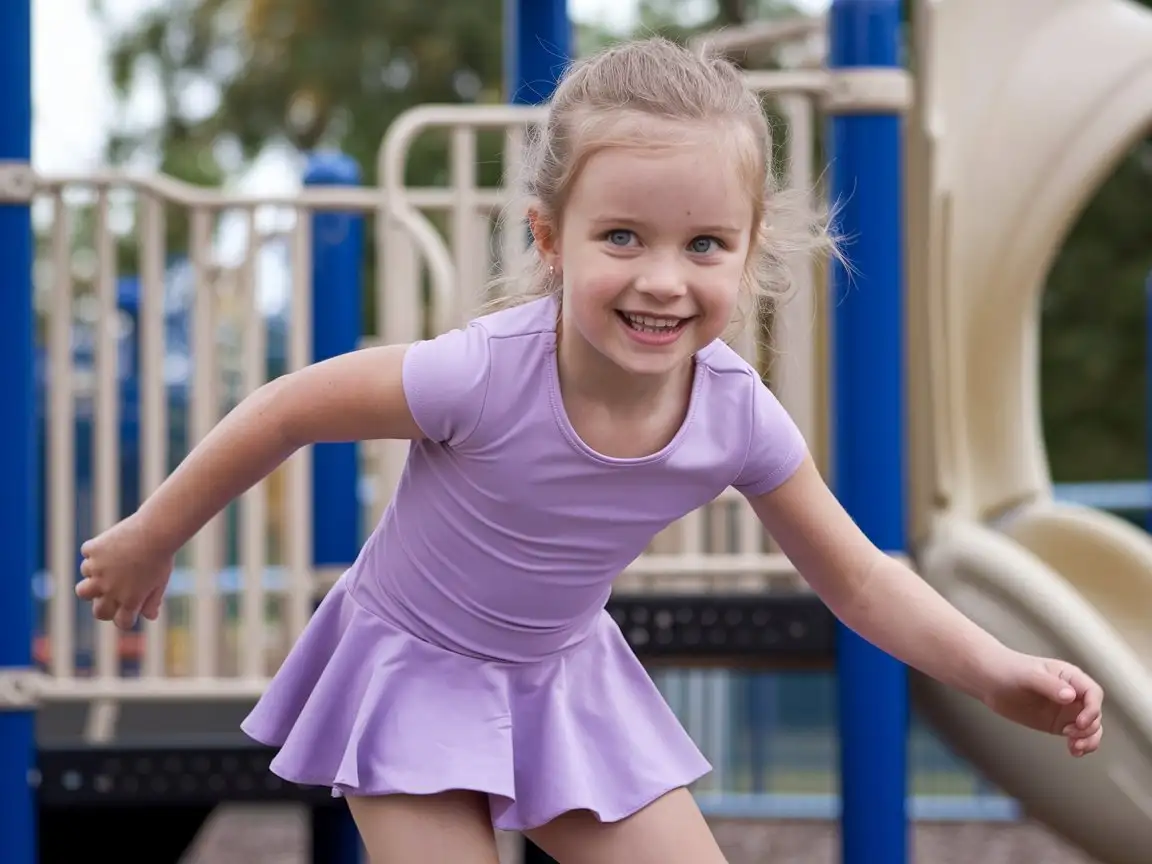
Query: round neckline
(569,431)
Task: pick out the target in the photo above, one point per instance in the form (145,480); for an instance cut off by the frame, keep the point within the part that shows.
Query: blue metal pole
(337,295)
(869,432)
(18,451)
(537,49)
(337,298)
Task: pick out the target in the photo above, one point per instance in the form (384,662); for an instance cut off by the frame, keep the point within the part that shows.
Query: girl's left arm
(874,594)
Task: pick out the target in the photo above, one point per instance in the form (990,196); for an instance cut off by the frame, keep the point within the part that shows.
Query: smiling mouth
(652,323)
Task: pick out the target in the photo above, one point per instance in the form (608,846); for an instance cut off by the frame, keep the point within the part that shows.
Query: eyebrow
(720,229)
(628,221)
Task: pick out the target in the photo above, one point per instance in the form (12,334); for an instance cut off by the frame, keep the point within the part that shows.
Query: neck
(589,375)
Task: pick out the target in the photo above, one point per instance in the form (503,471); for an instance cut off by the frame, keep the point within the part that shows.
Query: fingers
(1087,744)
(1086,730)
(125,617)
(104,608)
(151,608)
(1054,687)
(88,589)
(122,612)
(1091,694)
(1087,692)
(122,615)
(1083,740)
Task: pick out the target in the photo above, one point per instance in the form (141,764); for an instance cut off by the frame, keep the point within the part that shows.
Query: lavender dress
(468,646)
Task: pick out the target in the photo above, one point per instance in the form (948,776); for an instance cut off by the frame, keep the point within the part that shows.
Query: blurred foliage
(312,74)
(235,78)
(1095,336)
(238,76)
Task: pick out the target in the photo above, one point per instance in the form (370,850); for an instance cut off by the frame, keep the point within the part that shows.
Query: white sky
(74,106)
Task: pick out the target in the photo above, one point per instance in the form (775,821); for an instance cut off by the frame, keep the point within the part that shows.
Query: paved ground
(278,835)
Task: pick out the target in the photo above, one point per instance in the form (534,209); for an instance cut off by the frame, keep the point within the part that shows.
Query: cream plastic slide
(1022,108)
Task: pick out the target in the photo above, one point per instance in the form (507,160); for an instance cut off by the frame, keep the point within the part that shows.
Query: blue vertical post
(18,451)
(337,298)
(869,432)
(337,295)
(537,50)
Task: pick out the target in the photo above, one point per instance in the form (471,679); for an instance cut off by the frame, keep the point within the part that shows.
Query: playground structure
(1004,152)
(1001,154)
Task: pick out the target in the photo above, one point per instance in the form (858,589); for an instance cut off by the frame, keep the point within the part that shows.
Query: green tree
(1095,335)
(303,72)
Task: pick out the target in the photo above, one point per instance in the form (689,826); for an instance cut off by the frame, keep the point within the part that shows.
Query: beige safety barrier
(1006,145)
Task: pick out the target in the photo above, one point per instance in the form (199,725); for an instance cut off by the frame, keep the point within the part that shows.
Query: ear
(544,235)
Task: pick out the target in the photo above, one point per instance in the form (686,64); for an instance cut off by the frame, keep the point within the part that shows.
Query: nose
(662,279)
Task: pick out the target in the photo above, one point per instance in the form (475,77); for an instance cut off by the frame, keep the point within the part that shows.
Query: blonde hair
(655,78)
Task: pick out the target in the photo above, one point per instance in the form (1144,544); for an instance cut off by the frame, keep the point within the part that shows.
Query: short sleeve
(776,448)
(446,383)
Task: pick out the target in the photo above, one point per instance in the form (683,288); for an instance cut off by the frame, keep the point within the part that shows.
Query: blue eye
(701,245)
(619,237)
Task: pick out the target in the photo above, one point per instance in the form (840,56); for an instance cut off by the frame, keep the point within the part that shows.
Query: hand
(1050,696)
(124,574)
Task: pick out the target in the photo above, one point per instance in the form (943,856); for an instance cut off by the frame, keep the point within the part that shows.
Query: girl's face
(652,247)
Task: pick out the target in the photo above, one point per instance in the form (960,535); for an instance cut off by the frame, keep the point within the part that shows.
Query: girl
(463,673)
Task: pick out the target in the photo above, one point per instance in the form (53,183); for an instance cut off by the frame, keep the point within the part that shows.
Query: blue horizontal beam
(1134,495)
(929,808)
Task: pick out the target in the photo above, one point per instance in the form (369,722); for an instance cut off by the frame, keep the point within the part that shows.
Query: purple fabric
(468,647)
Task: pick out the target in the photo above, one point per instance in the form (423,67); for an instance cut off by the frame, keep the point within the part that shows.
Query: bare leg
(449,828)
(671,830)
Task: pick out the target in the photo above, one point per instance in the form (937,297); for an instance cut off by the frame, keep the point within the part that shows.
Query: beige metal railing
(92,220)
(453,237)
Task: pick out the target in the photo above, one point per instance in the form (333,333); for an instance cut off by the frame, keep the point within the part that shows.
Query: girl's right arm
(352,397)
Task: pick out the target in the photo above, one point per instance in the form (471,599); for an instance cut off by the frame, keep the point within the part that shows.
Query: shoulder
(534,318)
(772,444)
(447,377)
(734,375)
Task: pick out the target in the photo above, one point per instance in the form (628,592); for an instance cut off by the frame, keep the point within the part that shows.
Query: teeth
(648,322)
